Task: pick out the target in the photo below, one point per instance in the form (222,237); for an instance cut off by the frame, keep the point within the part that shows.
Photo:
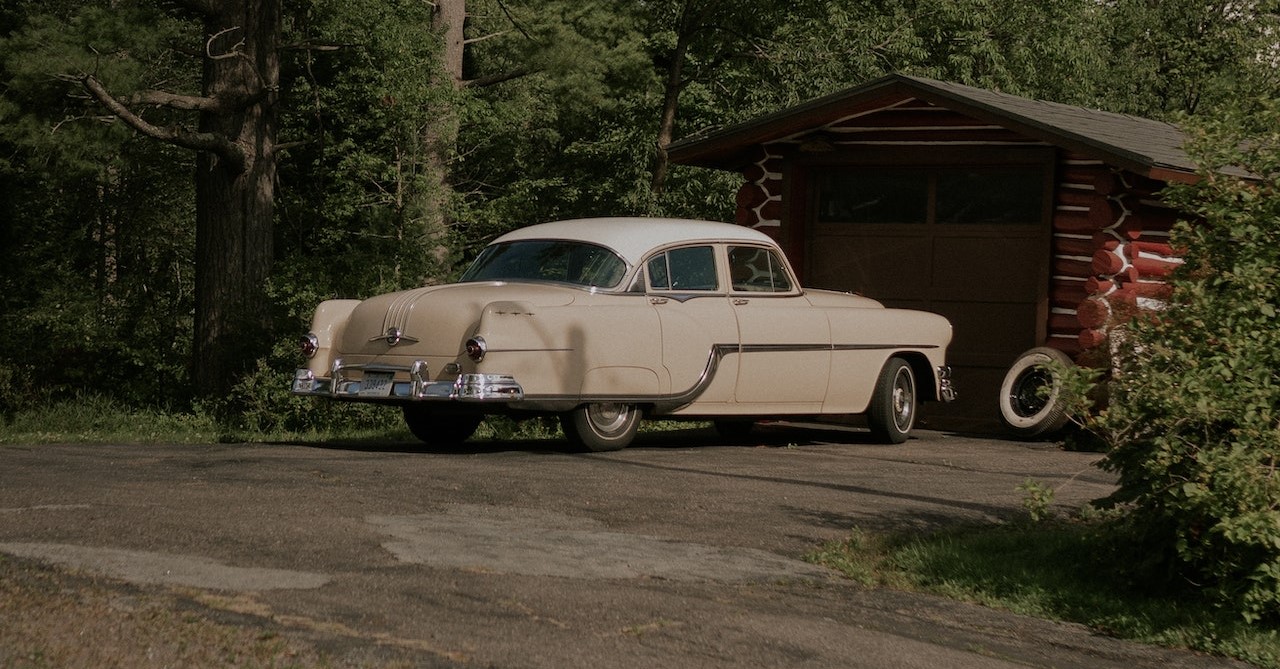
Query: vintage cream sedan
(604,321)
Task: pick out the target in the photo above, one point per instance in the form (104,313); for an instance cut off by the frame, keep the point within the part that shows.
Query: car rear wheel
(440,429)
(1031,405)
(892,412)
(601,426)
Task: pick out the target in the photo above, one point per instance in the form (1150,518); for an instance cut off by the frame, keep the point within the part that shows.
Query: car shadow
(765,435)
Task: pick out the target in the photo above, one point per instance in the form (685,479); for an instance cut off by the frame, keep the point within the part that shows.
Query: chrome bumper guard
(946,389)
(466,387)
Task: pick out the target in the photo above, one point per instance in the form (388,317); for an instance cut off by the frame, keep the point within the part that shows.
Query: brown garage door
(970,243)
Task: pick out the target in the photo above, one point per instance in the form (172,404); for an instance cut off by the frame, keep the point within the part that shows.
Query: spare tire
(1031,403)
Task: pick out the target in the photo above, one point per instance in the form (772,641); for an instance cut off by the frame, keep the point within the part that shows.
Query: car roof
(633,237)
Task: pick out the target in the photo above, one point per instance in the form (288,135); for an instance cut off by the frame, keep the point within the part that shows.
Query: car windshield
(578,263)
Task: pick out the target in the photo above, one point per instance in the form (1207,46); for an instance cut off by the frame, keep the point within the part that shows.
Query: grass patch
(93,419)
(1060,570)
(96,419)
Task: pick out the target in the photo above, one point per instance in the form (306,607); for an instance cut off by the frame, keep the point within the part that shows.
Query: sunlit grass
(95,419)
(1060,570)
(98,419)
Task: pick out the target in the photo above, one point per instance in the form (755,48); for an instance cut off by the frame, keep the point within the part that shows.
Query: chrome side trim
(801,348)
(881,347)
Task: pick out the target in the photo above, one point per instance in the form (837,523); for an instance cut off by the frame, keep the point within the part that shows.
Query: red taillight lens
(475,348)
(309,345)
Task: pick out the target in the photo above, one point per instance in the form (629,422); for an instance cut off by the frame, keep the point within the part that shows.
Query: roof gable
(1145,146)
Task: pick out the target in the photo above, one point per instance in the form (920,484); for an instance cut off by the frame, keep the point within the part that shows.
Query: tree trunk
(671,100)
(235,202)
(439,137)
(448,20)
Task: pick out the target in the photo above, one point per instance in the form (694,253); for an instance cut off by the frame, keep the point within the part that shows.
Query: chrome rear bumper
(465,387)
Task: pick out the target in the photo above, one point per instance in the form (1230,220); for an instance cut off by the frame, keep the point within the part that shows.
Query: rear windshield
(577,263)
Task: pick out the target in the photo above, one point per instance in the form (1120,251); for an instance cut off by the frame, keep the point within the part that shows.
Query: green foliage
(1045,50)
(95,279)
(362,202)
(1194,409)
(1037,498)
(1059,570)
(1205,54)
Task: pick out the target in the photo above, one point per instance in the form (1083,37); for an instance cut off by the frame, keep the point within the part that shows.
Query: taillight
(475,348)
(310,344)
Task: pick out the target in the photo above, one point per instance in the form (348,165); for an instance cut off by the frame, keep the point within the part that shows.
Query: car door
(786,342)
(699,330)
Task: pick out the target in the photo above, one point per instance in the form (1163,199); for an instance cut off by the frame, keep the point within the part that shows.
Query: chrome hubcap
(903,400)
(609,416)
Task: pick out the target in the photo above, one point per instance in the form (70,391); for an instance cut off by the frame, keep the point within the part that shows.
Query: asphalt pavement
(681,551)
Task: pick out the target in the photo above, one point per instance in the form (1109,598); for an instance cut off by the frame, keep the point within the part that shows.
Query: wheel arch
(926,375)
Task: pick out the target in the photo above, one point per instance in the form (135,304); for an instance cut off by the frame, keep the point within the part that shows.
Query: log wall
(759,200)
(1111,261)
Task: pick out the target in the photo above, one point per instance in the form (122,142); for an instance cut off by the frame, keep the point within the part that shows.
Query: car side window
(684,269)
(754,269)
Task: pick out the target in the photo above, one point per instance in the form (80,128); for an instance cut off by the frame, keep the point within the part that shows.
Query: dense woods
(181,181)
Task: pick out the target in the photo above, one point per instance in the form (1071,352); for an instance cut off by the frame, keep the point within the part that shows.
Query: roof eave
(730,148)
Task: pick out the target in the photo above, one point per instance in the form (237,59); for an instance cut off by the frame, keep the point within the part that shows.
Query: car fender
(327,325)
(578,350)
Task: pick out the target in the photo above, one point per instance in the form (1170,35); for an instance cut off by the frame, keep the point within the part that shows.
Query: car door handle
(657,300)
(739,301)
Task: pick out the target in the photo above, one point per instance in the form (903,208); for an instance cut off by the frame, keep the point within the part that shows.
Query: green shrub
(262,403)
(1193,415)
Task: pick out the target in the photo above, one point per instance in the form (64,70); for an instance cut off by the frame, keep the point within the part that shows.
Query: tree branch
(477,40)
(493,79)
(225,149)
(205,7)
(308,45)
(175,101)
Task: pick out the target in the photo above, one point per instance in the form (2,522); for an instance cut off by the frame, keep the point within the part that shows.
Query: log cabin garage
(1029,224)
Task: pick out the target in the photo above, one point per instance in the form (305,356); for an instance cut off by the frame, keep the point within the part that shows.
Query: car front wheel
(440,429)
(892,412)
(601,426)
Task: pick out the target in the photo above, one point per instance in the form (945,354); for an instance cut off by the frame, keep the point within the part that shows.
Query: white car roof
(633,237)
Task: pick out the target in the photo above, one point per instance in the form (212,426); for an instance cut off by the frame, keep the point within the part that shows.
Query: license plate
(376,384)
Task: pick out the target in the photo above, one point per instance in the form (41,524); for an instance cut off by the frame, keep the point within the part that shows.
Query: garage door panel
(975,410)
(989,287)
(987,334)
(878,267)
(986,269)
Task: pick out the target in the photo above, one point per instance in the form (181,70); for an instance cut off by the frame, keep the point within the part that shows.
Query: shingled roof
(1144,146)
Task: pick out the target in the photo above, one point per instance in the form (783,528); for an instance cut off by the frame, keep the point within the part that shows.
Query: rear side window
(754,269)
(686,269)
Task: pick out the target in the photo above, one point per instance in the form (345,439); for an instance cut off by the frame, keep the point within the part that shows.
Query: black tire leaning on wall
(1031,403)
